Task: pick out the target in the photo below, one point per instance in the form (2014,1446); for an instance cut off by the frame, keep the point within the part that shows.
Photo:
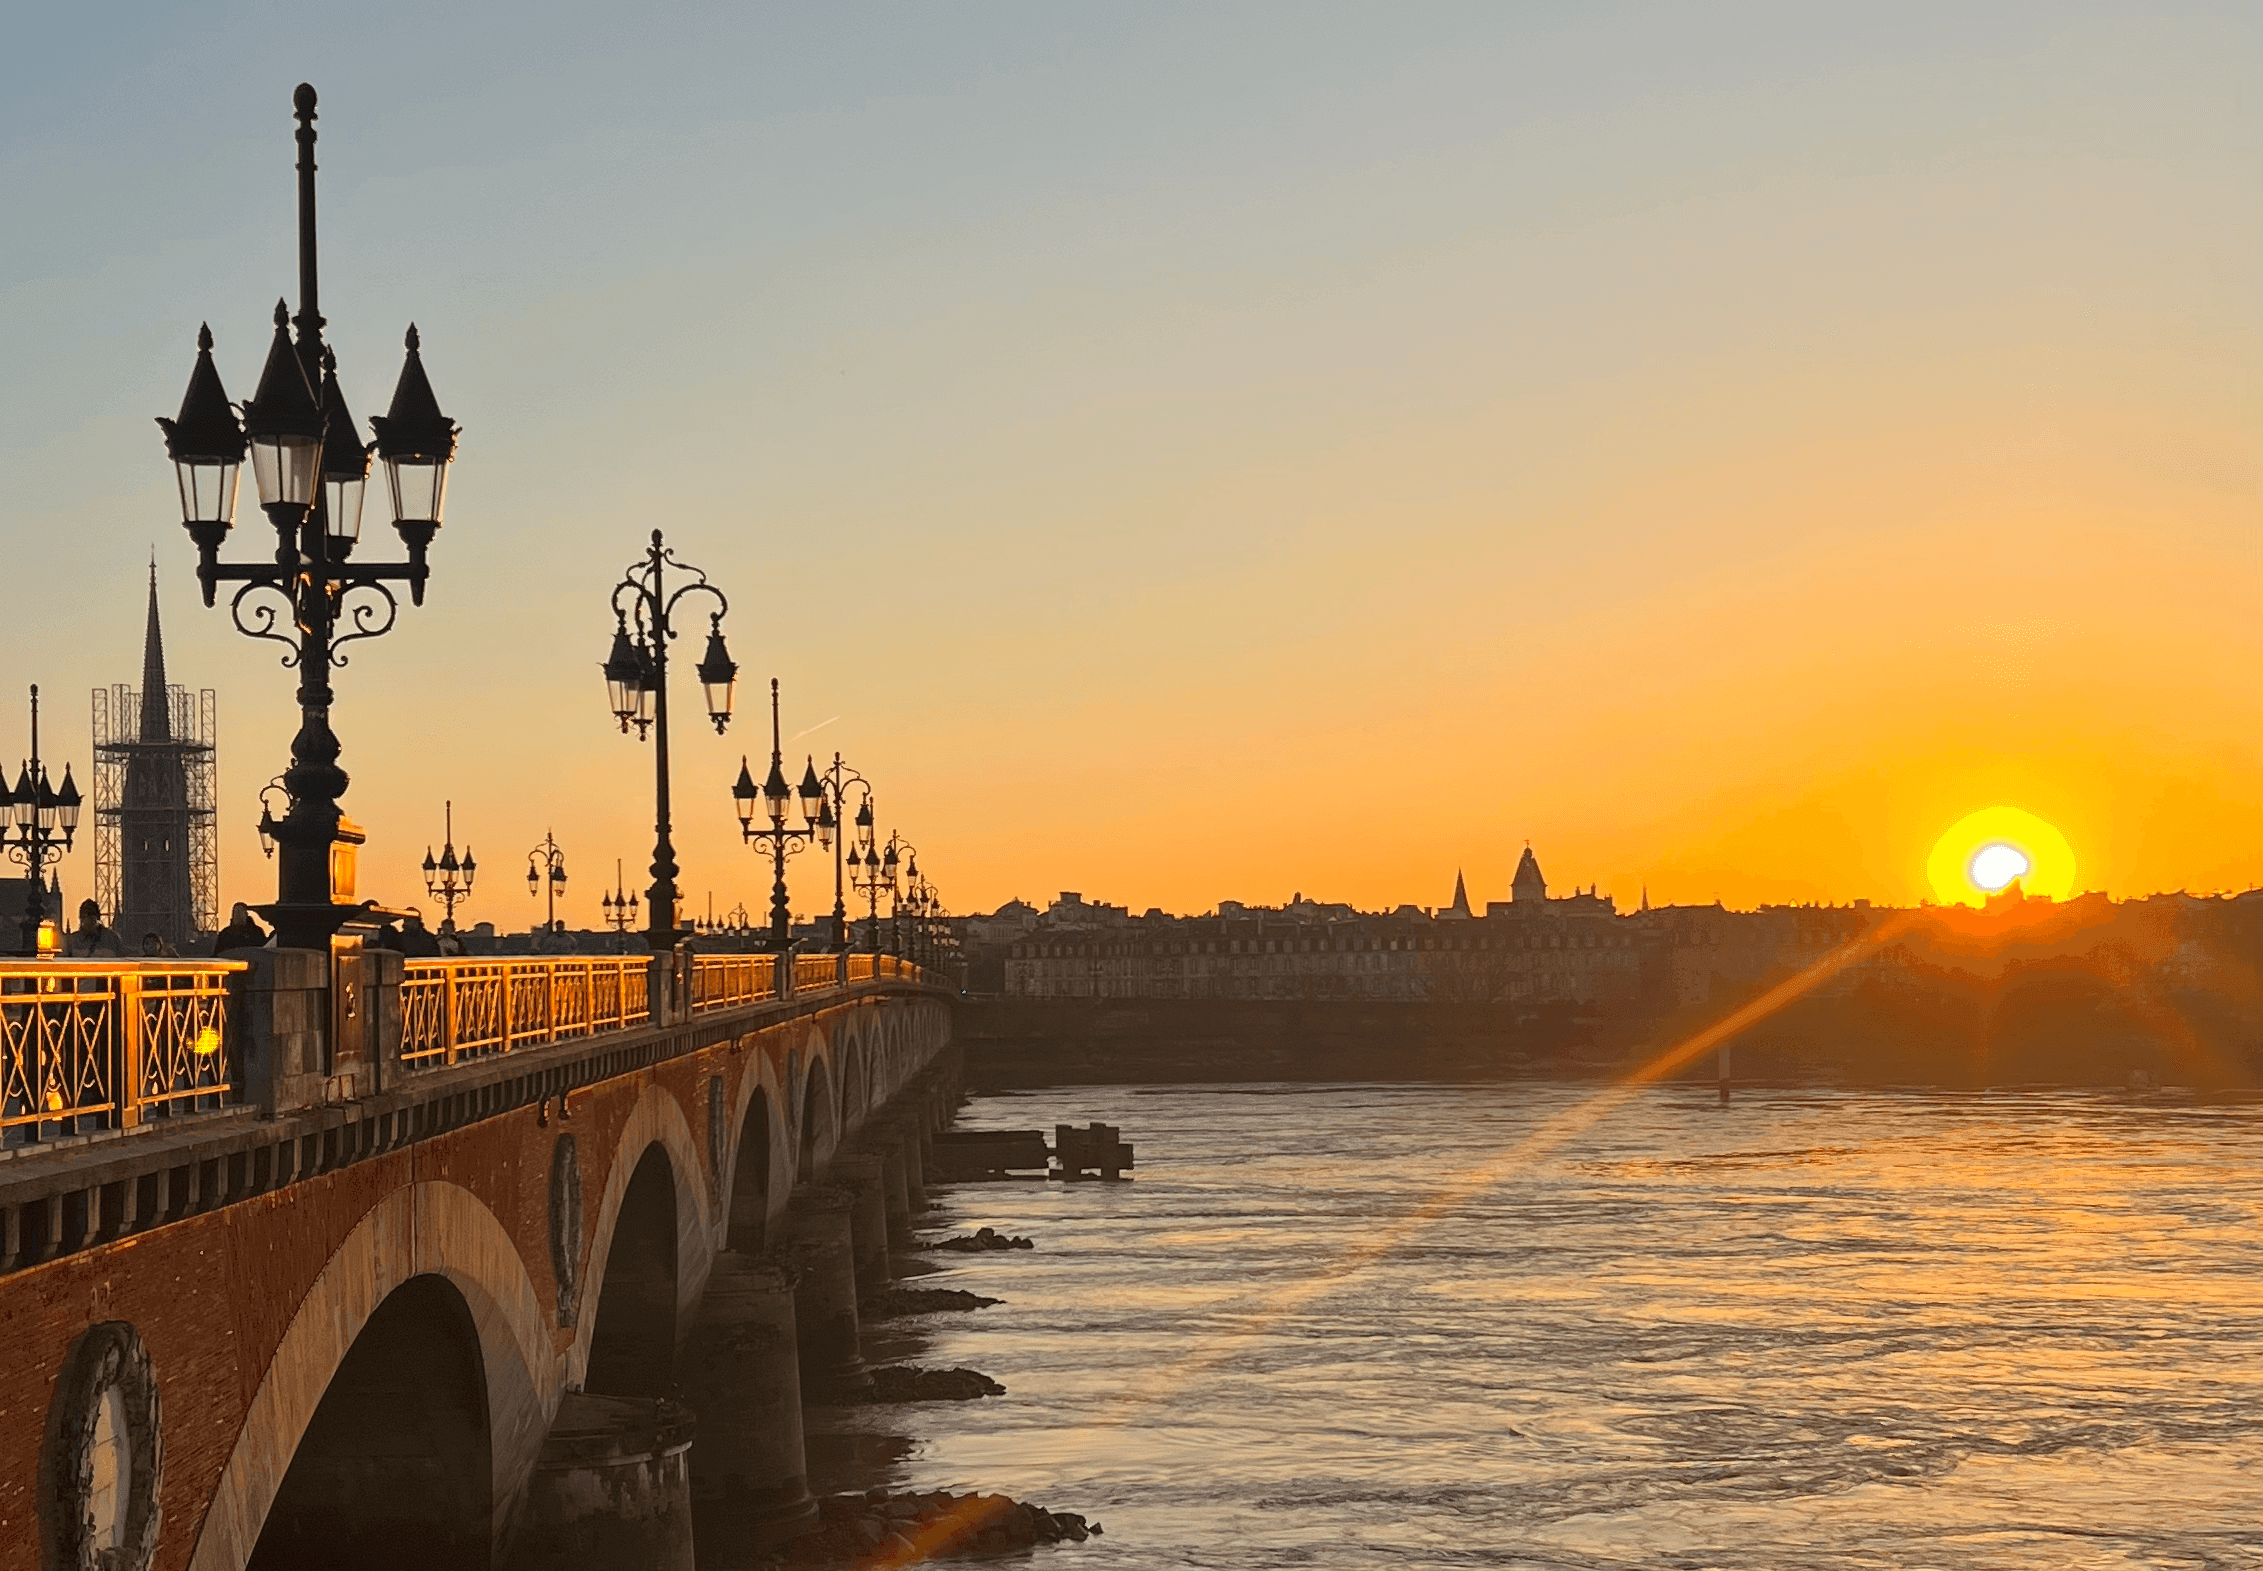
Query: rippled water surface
(1505,1326)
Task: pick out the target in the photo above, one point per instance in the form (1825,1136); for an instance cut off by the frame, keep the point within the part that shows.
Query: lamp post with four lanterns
(781,842)
(636,682)
(871,873)
(546,869)
(831,837)
(46,821)
(448,880)
(899,892)
(311,470)
(619,905)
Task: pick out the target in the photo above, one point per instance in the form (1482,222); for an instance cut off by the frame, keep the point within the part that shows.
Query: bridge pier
(611,1491)
(749,1475)
(865,1181)
(895,1196)
(818,1249)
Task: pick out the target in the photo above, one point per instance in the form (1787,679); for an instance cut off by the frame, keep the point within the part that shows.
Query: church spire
(156,706)
(1460,907)
(1528,884)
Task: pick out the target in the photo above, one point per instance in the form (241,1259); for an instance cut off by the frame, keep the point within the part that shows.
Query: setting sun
(1985,852)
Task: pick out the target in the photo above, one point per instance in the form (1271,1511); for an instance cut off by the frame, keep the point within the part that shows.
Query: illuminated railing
(729,981)
(452,1010)
(457,1009)
(108,1044)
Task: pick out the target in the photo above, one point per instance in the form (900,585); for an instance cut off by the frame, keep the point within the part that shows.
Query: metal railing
(452,1010)
(108,1044)
(731,981)
(457,1009)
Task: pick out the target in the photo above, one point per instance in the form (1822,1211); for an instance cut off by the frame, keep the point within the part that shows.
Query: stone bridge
(349,1263)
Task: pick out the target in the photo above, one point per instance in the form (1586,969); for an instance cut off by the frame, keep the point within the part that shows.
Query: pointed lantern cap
(206,431)
(343,458)
(414,427)
(284,404)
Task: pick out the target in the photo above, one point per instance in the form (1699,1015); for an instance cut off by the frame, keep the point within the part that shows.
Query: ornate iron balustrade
(457,1009)
(109,1044)
(730,981)
(452,1010)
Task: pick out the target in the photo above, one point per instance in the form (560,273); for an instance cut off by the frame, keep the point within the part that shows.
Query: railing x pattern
(108,1044)
(731,981)
(457,1009)
(452,1010)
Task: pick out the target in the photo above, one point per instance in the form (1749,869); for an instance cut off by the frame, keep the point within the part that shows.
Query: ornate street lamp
(37,825)
(833,812)
(898,894)
(448,879)
(546,868)
(311,471)
(636,685)
(619,905)
(775,797)
(925,907)
(875,872)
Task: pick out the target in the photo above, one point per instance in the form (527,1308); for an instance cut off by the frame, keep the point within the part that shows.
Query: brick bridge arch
(251,1307)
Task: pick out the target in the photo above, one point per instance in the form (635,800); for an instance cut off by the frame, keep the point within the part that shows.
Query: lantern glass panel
(419,484)
(208,491)
(719,695)
(283,467)
(342,500)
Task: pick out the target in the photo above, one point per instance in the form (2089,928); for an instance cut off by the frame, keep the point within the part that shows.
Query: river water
(1552,1326)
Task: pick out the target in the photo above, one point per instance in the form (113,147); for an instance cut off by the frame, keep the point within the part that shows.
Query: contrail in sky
(821,725)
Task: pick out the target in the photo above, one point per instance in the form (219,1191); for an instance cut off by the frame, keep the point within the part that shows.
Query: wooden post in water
(1723,1072)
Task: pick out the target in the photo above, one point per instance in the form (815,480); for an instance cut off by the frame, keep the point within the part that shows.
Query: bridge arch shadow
(748,1213)
(426,1279)
(632,1344)
(396,1466)
(855,1065)
(817,1127)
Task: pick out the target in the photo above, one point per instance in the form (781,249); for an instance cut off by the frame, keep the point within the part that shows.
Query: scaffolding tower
(156,832)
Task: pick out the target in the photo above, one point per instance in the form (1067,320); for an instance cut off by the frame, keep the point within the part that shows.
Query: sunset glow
(1984,852)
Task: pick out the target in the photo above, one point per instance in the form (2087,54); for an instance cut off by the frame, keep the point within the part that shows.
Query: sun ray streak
(1449,1197)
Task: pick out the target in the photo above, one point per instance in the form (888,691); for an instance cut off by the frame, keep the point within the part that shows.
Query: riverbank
(1996,1039)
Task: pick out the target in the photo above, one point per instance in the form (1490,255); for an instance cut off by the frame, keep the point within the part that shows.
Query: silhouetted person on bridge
(153,946)
(242,931)
(90,940)
(418,941)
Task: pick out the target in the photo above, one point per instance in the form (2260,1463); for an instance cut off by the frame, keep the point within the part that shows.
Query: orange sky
(1232,456)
